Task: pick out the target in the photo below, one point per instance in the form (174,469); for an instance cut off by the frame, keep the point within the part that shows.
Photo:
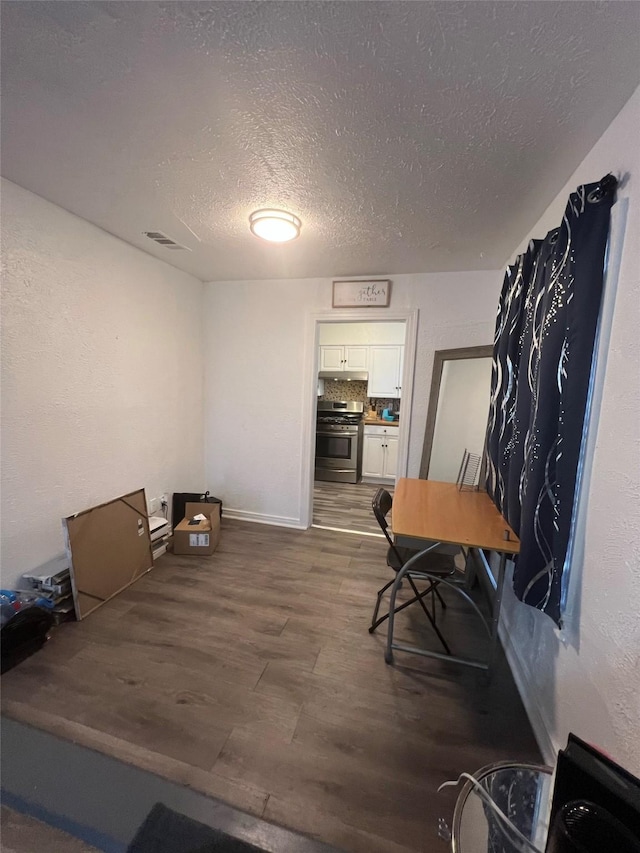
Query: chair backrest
(381,504)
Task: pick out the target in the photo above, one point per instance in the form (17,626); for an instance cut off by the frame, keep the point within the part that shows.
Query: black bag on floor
(181,499)
(23,634)
(167,831)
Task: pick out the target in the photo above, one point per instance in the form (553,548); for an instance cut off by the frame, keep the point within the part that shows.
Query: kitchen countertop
(379,422)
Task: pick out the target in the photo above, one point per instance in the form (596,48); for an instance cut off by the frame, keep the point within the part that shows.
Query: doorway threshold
(103,801)
(347,530)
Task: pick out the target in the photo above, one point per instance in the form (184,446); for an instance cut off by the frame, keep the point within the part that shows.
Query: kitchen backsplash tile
(382,403)
(356,391)
(342,390)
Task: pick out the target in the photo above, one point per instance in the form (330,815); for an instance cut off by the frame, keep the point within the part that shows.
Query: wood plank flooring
(250,675)
(346,506)
(24,834)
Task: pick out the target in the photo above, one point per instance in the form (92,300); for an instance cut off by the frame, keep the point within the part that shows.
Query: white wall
(362,333)
(586,679)
(85,317)
(256,380)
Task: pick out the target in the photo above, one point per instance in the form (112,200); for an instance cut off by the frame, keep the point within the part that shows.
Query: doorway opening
(361,380)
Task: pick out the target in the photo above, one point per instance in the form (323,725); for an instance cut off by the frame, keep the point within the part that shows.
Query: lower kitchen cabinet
(385,371)
(380,453)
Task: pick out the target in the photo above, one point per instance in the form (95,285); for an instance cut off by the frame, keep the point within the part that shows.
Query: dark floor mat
(166,831)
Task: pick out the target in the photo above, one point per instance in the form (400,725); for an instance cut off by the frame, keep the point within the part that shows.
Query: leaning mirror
(458,410)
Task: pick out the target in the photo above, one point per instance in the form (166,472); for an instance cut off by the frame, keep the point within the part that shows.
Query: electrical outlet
(164,500)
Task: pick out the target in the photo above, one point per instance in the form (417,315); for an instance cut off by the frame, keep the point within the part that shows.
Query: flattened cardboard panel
(108,547)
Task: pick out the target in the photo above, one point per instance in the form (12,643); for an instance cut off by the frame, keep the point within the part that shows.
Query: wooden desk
(427,513)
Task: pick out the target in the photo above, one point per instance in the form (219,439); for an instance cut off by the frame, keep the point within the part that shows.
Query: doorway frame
(312,345)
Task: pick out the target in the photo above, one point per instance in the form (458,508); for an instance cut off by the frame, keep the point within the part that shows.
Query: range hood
(345,375)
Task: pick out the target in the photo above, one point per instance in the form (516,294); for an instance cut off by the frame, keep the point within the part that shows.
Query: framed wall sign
(373,293)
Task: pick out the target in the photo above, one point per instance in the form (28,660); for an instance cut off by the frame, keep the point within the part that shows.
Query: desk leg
(496,611)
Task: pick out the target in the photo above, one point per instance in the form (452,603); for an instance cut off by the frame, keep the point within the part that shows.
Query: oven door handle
(343,434)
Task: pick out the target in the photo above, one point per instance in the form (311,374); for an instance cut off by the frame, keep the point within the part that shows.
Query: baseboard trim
(263,518)
(529,699)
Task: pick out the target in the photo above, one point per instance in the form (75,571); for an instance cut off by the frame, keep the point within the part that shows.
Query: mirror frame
(439,358)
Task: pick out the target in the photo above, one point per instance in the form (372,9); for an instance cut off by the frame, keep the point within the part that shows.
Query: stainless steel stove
(339,441)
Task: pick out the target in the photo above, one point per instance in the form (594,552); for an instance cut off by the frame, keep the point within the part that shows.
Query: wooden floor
(250,675)
(23,834)
(346,506)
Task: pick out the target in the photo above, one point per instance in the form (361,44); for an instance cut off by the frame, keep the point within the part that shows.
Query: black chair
(434,563)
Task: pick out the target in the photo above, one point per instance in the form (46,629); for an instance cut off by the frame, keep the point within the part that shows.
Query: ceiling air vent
(162,240)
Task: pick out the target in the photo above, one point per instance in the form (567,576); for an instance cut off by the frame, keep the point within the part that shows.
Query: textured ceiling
(409,137)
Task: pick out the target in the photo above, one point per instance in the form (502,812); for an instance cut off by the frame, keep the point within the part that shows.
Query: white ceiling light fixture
(276,226)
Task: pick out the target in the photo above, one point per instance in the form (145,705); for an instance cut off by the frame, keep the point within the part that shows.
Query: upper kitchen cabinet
(339,358)
(385,371)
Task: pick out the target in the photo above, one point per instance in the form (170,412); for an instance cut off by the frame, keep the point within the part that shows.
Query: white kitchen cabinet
(385,371)
(380,453)
(341,358)
(390,467)
(356,358)
(372,456)
(331,358)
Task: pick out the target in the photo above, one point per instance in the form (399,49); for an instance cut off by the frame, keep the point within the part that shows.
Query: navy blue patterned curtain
(543,351)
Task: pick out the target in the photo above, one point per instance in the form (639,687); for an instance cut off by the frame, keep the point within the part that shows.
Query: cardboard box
(199,539)
(108,548)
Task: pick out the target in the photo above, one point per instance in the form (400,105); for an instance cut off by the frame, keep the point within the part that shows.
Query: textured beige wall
(256,346)
(586,678)
(101,375)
